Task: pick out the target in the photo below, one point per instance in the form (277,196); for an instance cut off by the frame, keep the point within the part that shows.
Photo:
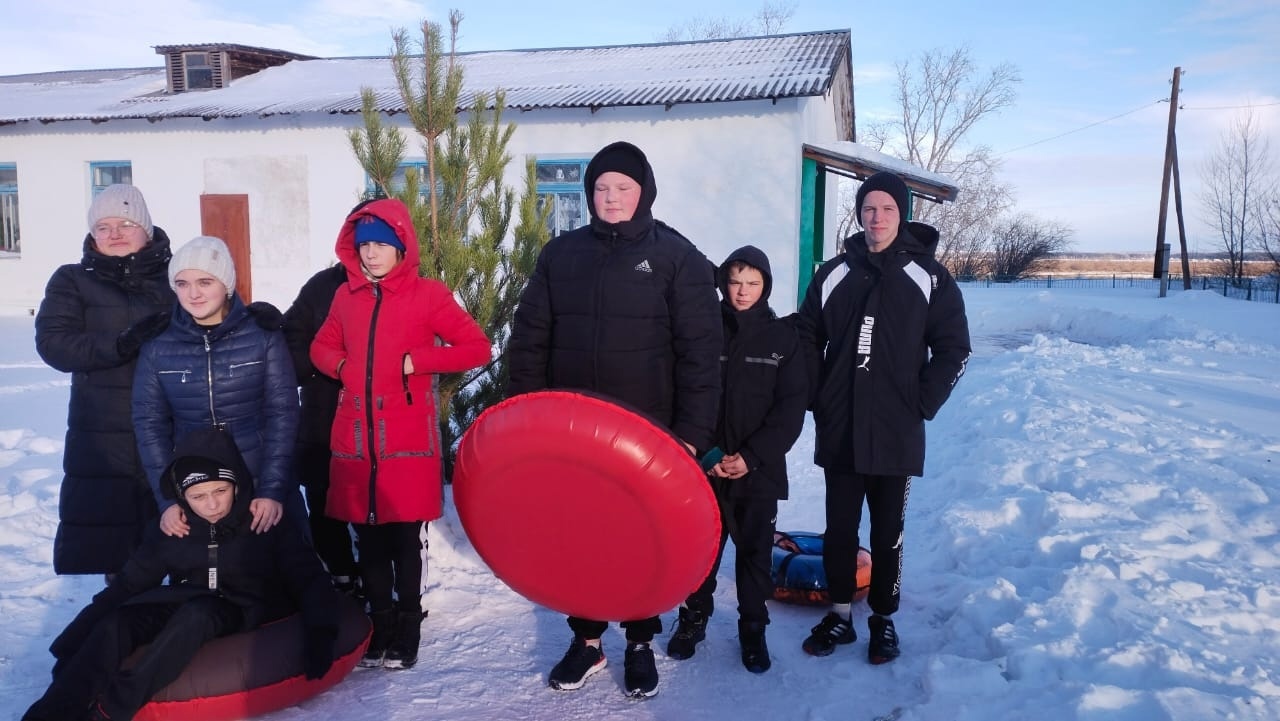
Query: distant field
(1111,265)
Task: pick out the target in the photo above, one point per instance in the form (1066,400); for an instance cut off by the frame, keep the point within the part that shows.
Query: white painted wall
(728,174)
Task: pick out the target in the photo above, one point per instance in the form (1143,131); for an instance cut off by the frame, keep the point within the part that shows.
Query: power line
(1083,127)
(1230,107)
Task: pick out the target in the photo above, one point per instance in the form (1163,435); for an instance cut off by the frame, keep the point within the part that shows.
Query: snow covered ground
(1096,537)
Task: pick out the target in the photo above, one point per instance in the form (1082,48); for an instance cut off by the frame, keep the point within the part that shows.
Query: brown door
(227,217)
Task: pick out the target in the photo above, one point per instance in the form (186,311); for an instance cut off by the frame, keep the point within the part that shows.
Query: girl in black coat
(319,395)
(94,317)
(224,578)
(762,405)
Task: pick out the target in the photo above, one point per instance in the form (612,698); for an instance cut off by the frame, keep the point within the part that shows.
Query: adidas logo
(643,266)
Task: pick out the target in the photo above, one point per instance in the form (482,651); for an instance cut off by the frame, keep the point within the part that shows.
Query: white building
(738,131)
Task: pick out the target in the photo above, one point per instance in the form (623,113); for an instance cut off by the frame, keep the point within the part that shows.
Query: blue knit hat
(372,229)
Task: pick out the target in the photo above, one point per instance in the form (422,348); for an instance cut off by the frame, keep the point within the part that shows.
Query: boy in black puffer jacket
(224,578)
(765,392)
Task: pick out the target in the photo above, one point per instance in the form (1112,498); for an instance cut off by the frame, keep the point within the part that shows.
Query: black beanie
(886,182)
(617,158)
(192,470)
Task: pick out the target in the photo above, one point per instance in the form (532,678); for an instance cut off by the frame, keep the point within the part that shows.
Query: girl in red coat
(380,342)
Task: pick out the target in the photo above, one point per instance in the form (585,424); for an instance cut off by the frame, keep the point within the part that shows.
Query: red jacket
(386,438)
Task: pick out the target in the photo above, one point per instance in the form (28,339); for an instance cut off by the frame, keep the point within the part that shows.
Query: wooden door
(227,217)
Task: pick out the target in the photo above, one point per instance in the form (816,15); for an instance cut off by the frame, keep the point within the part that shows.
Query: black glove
(318,652)
(267,316)
(130,340)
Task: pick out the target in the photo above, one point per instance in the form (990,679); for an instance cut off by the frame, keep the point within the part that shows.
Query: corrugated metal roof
(770,67)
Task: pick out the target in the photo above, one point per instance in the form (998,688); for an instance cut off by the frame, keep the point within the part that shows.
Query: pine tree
(464,213)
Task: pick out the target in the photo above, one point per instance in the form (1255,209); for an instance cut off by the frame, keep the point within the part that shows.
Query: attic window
(197,70)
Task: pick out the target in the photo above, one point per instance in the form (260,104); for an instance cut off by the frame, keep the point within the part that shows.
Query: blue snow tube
(798,576)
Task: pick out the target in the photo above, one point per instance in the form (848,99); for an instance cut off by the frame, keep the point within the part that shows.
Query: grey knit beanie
(120,201)
(208,254)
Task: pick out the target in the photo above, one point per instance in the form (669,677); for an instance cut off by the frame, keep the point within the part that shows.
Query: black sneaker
(755,652)
(829,632)
(384,627)
(402,652)
(640,673)
(884,640)
(578,664)
(690,630)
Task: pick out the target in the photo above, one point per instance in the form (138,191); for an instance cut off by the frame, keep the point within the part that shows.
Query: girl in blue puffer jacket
(215,366)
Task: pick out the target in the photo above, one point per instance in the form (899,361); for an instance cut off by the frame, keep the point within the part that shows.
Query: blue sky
(1064,149)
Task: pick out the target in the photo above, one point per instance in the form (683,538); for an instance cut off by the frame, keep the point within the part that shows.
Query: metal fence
(1265,289)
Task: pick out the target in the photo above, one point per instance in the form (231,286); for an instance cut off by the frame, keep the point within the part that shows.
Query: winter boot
(578,664)
(831,630)
(755,652)
(403,651)
(690,630)
(884,640)
(384,627)
(640,673)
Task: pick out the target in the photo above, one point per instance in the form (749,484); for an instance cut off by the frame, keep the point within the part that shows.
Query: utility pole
(1170,152)
(1182,226)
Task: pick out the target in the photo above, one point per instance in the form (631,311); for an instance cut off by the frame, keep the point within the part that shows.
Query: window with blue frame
(109,172)
(560,184)
(10,236)
(418,167)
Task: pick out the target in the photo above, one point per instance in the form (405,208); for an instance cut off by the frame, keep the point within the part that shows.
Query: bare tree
(770,19)
(1269,231)
(1022,244)
(942,95)
(1237,181)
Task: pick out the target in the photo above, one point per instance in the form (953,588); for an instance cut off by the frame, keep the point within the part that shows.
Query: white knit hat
(120,201)
(206,253)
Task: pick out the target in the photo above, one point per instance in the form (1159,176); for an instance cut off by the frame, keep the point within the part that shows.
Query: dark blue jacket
(104,504)
(235,375)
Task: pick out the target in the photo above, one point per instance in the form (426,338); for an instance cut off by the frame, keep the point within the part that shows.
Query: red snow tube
(798,576)
(585,507)
(256,672)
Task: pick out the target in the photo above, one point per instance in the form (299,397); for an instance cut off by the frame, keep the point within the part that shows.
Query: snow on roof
(860,161)
(768,67)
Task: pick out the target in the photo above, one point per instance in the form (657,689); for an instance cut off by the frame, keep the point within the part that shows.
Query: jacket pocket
(347,438)
(406,431)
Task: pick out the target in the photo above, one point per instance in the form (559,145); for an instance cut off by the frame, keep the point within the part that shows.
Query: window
(9,235)
(400,178)
(109,172)
(560,183)
(197,70)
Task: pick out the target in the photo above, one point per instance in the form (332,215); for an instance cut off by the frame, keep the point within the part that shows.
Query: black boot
(403,651)
(384,626)
(755,652)
(691,629)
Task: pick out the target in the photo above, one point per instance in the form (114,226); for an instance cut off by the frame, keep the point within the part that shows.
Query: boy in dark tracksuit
(762,406)
(224,576)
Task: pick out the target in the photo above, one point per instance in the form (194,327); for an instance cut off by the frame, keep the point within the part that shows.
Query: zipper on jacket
(595,340)
(368,409)
(213,559)
(208,362)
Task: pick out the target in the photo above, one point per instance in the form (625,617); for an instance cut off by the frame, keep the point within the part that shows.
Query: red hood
(394,213)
